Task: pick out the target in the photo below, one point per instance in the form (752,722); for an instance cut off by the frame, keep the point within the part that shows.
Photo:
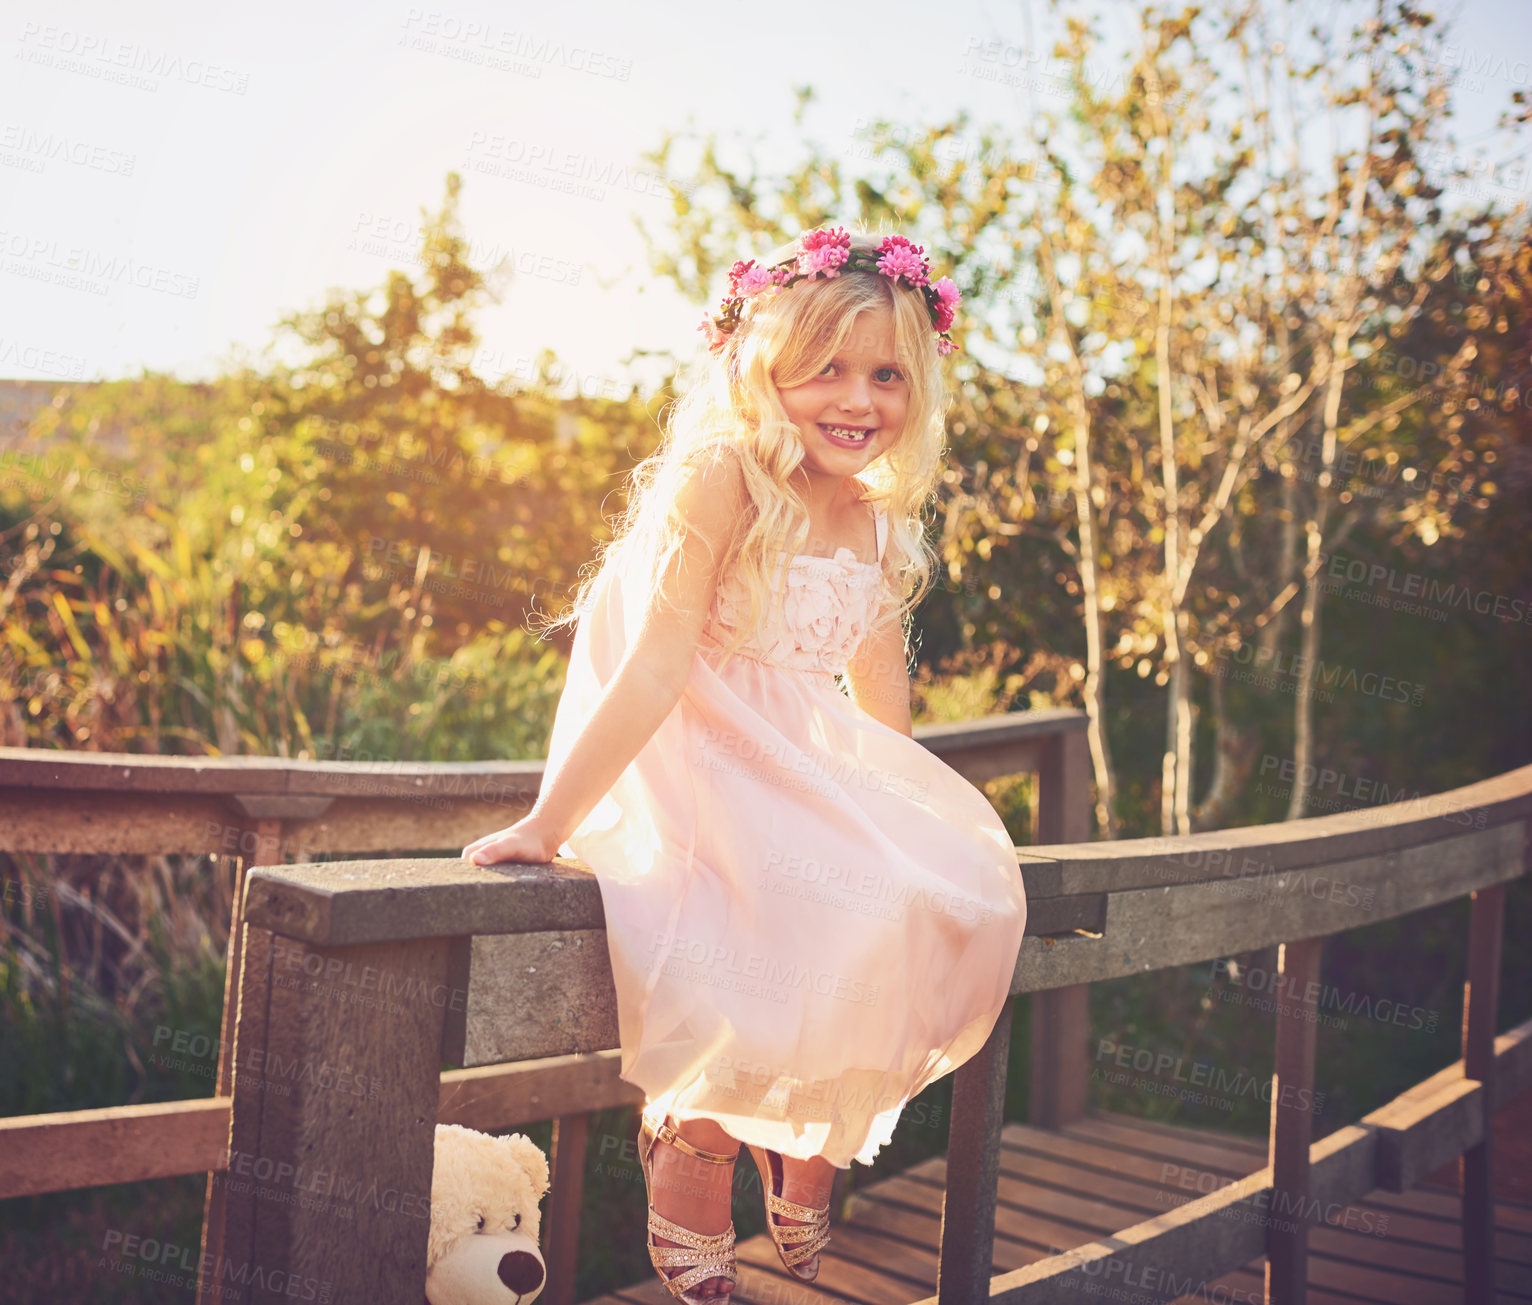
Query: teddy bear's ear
(532,1160)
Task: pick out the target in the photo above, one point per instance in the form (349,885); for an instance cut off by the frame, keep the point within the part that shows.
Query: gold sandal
(703,1257)
(795,1242)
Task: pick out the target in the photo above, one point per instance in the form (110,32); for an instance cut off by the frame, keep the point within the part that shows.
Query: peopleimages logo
(43,258)
(185,1267)
(1358,789)
(1386,586)
(42,148)
(1327,678)
(107,59)
(1222,1088)
(1287,995)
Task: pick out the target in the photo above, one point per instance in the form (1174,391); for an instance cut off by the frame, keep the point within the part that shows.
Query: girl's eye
(887,375)
(828,368)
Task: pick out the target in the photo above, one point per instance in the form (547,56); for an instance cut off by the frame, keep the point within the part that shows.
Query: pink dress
(810,916)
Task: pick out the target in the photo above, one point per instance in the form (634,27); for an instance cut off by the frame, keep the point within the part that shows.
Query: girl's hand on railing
(529,839)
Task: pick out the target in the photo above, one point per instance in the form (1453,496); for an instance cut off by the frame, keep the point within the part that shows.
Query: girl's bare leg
(695,1193)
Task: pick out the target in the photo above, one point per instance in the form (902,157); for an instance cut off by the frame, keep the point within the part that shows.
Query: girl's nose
(857,396)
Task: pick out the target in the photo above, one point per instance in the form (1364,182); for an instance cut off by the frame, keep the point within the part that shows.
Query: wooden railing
(379,969)
(440,941)
(264,811)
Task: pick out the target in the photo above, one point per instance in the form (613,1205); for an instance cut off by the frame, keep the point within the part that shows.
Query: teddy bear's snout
(521,1272)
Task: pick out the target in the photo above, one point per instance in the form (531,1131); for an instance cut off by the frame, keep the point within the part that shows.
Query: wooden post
(1060,1062)
(267,839)
(1475,1168)
(973,1170)
(1060,1035)
(1292,1123)
(337,1075)
(561,1221)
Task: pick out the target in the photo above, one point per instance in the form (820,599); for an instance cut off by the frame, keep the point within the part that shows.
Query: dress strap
(880,522)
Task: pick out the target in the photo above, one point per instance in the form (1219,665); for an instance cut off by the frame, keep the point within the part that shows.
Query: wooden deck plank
(1032,1234)
(1249,1284)
(896,1257)
(896,1218)
(1208,1149)
(840,1278)
(1101,1121)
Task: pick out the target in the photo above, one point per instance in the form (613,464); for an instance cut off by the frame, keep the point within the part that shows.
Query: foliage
(320,558)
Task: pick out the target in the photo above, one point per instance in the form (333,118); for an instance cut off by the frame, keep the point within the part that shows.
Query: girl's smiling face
(854,409)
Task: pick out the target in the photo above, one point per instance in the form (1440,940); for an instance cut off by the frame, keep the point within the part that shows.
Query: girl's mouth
(847,437)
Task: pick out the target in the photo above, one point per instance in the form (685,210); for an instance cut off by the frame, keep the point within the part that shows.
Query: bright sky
(176,177)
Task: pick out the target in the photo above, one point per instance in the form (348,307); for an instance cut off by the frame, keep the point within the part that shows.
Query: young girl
(810,917)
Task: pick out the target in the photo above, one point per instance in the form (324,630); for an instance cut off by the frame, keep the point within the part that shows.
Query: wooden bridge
(1080,1183)
(390,966)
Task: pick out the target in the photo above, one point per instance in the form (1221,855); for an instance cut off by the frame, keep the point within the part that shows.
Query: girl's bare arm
(879,677)
(648,681)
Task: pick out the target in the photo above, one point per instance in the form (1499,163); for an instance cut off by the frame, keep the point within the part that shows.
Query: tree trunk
(1268,637)
(1303,706)
(1089,566)
(1095,652)
(1313,584)
(1233,756)
(1185,717)
(1173,784)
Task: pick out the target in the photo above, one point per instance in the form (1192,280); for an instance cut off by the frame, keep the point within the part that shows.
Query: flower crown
(827,252)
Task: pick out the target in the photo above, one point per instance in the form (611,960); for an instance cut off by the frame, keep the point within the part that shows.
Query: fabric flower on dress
(824,615)
(821,620)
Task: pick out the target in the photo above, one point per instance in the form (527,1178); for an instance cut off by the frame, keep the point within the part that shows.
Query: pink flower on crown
(902,259)
(709,328)
(822,252)
(948,298)
(753,281)
(945,346)
(738,270)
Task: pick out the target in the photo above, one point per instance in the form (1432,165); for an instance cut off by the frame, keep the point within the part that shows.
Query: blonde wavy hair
(733,407)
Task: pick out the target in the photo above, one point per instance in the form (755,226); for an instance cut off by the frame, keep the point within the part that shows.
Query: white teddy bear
(484,1219)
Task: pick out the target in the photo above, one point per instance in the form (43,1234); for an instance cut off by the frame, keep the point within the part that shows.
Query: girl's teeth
(847,434)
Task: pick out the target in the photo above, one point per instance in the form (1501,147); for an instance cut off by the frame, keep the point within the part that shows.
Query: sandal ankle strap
(666,1133)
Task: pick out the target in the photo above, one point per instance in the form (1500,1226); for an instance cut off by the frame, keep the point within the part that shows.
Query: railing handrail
(1244,850)
(46,768)
(133,772)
